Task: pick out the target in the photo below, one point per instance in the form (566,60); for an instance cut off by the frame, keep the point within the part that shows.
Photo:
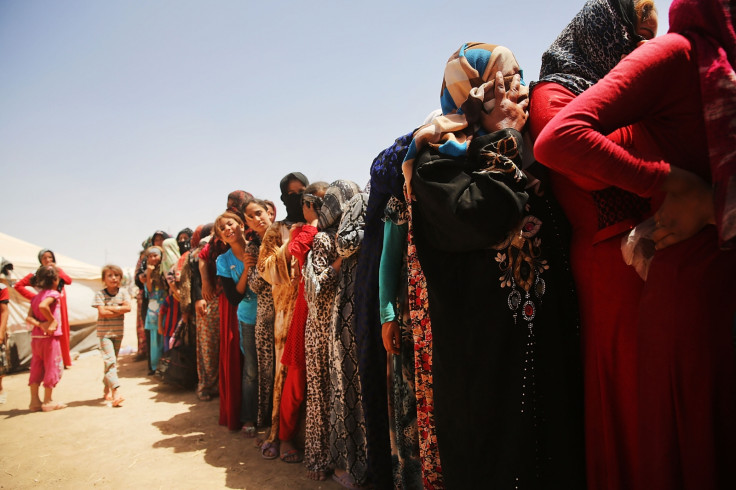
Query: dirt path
(160,438)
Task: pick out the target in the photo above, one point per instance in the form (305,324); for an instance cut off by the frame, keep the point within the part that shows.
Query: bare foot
(34,408)
(106,394)
(51,406)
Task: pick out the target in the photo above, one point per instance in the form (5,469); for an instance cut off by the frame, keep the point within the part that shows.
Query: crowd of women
(535,290)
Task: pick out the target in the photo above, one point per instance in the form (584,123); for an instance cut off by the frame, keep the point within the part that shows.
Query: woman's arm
(64,276)
(394,245)
(22,287)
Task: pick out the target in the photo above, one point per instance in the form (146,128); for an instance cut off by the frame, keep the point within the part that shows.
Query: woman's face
(153,259)
(47,258)
(648,28)
(158,240)
(257,218)
(229,230)
(295,187)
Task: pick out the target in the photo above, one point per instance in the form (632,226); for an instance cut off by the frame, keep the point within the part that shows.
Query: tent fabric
(86,281)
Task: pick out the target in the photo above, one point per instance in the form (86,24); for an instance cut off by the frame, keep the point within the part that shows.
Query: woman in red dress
(680,90)
(46,257)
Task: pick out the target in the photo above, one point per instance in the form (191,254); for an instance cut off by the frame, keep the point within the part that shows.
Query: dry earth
(161,438)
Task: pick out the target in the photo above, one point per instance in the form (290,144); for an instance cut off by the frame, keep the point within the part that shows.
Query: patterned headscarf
(337,194)
(591,45)
(467,91)
(709,24)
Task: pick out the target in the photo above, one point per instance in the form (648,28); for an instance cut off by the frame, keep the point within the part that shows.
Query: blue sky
(121,117)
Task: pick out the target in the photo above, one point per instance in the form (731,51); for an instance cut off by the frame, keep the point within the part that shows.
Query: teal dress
(156,298)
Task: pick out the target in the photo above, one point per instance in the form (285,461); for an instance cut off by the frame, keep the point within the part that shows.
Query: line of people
(468,319)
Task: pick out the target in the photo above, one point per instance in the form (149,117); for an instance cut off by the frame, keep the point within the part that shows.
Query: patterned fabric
(337,194)
(208,349)
(616,205)
(347,424)
(468,90)
(710,27)
(111,327)
(319,272)
(421,328)
(590,46)
(386,180)
(264,339)
(393,285)
(281,274)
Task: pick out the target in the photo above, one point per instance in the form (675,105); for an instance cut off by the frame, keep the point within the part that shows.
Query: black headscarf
(293,202)
(591,44)
(186,244)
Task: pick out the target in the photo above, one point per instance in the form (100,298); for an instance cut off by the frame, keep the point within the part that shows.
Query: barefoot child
(45,317)
(112,304)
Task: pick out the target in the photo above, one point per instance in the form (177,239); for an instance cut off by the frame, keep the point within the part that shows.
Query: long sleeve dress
(320,286)
(264,339)
(506,372)
(686,366)
(274,267)
(347,423)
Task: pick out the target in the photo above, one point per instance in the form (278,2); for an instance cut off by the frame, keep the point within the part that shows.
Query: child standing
(45,317)
(112,304)
(169,314)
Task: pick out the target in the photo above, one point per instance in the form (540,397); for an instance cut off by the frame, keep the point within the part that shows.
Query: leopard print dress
(320,287)
(264,339)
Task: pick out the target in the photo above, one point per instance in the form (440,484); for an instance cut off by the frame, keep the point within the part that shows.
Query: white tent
(85,282)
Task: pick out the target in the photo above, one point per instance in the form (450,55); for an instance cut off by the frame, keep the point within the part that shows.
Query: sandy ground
(161,438)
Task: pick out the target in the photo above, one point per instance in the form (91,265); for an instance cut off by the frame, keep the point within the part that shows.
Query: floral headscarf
(467,91)
(709,24)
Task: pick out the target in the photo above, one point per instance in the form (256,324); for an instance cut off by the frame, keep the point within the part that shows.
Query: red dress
(231,360)
(22,288)
(683,316)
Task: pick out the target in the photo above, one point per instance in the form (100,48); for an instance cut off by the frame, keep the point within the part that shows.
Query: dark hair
(254,200)
(46,276)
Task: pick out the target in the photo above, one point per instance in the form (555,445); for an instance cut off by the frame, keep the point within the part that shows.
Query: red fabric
(4,295)
(709,24)
(171,313)
(606,288)
(22,288)
(231,366)
(292,398)
(684,313)
(299,246)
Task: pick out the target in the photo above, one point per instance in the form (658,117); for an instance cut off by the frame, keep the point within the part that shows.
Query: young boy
(112,304)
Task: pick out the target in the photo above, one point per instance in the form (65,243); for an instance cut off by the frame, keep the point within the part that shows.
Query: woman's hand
(391,336)
(249,260)
(337,264)
(686,209)
(200,308)
(508,112)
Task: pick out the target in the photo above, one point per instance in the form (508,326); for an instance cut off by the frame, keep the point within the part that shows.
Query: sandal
(346,480)
(249,431)
(270,450)
(205,397)
(292,456)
